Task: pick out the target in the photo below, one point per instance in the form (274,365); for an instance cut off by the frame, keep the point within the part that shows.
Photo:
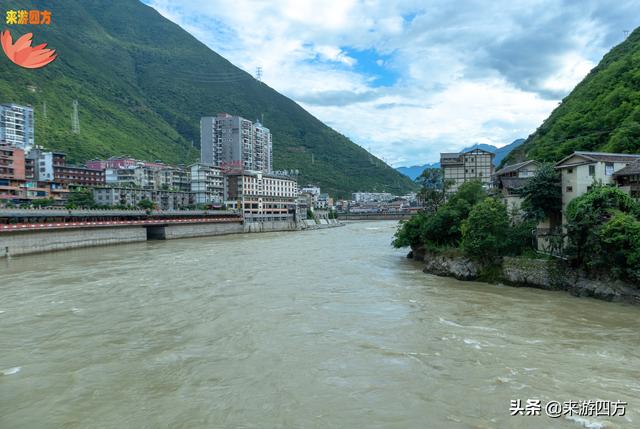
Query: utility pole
(75,119)
(259,73)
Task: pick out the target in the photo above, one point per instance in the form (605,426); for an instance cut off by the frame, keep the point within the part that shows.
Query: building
(458,168)
(118,162)
(370,197)
(131,197)
(12,172)
(256,193)
(511,179)
(17,126)
(70,175)
(207,184)
(175,178)
(580,170)
(628,179)
(235,143)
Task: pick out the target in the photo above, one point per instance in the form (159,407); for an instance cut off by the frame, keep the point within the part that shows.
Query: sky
(409,79)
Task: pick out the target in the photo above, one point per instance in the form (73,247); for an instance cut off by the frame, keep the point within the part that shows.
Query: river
(316,329)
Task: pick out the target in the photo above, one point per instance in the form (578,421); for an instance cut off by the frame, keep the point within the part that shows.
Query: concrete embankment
(13,243)
(25,242)
(549,274)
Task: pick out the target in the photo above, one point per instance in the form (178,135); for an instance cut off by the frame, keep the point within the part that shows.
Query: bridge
(373,216)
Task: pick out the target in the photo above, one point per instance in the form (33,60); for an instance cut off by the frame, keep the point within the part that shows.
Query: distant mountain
(142,84)
(416,170)
(601,114)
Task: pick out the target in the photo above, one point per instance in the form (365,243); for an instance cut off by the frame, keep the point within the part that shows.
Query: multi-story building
(510,180)
(70,175)
(580,170)
(628,179)
(458,168)
(17,126)
(175,178)
(207,184)
(12,172)
(131,197)
(370,197)
(256,193)
(235,143)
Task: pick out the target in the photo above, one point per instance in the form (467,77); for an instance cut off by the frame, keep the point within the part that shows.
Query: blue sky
(409,79)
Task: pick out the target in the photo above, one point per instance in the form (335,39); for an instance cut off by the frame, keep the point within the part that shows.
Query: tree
(542,194)
(485,231)
(146,204)
(80,198)
(432,191)
(43,202)
(595,225)
(620,238)
(442,228)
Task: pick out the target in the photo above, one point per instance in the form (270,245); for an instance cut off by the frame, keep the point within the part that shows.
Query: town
(235,172)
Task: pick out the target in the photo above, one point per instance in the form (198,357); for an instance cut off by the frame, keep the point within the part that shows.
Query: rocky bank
(547,274)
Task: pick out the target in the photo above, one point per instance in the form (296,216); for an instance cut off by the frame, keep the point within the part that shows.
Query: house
(580,170)
(628,179)
(511,179)
(458,168)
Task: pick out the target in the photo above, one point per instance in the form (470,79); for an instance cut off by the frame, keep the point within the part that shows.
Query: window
(592,170)
(569,170)
(569,188)
(608,169)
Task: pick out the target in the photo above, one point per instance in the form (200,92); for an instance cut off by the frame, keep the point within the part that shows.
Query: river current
(316,329)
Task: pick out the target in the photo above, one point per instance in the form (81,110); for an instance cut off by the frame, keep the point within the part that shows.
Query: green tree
(620,238)
(442,228)
(80,198)
(587,216)
(146,204)
(432,189)
(485,231)
(43,202)
(542,194)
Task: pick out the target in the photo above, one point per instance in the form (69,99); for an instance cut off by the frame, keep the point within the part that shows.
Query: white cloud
(458,72)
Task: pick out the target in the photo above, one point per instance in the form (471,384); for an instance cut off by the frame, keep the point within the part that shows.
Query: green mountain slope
(143,83)
(602,113)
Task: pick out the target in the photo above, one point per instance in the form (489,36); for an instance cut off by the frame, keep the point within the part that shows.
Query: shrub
(485,231)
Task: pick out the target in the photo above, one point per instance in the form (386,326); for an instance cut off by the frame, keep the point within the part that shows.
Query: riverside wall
(16,243)
(549,274)
(25,242)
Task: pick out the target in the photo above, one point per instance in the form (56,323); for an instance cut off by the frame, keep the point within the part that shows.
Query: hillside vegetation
(143,83)
(602,113)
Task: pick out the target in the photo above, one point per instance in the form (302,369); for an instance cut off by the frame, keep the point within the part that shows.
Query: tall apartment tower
(232,141)
(17,126)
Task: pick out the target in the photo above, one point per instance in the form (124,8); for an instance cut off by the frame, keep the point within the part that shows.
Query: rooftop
(514,167)
(629,170)
(598,157)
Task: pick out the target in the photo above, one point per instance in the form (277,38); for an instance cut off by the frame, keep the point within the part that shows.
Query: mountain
(142,84)
(601,114)
(414,171)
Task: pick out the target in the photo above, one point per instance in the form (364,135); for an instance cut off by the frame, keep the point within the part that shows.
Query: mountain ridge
(601,114)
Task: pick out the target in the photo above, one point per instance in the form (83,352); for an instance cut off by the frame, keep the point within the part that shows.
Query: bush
(601,231)
(485,231)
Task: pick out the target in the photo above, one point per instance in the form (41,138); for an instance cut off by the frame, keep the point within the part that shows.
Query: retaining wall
(20,243)
(200,230)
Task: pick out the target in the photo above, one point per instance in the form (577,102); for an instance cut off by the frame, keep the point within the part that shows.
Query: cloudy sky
(408,79)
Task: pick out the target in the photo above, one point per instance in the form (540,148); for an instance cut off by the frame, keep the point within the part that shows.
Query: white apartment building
(580,170)
(370,197)
(207,184)
(256,193)
(235,143)
(17,126)
(458,168)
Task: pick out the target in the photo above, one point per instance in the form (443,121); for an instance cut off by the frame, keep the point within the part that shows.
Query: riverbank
(540,273)
(31,241)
